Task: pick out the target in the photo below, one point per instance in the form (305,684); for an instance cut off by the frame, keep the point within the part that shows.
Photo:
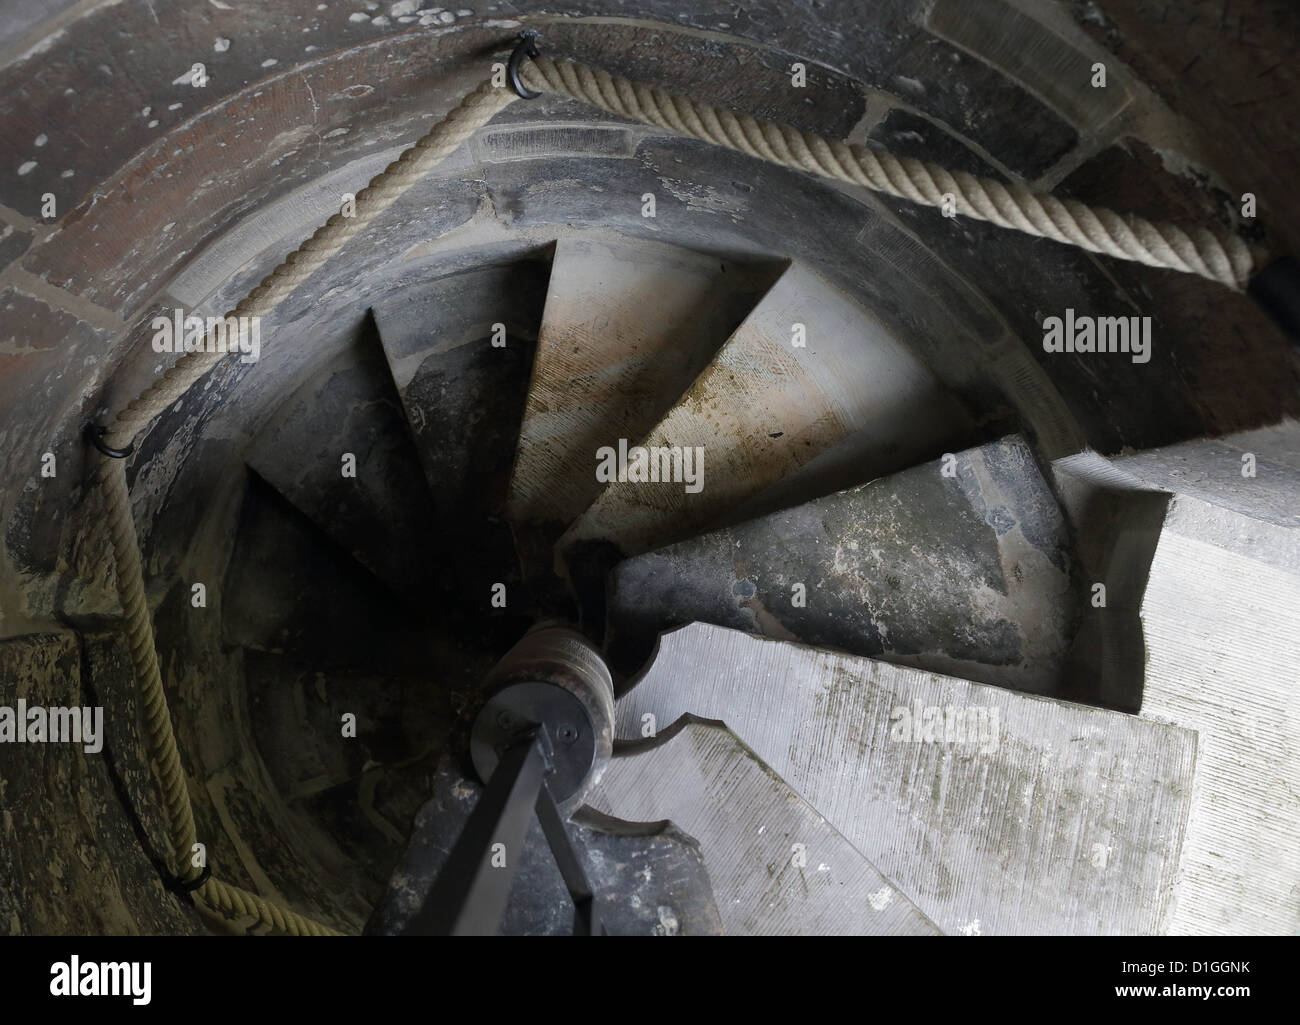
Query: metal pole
(586,913)
(470,893)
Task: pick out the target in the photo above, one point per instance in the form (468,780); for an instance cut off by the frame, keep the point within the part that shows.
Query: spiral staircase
(909,516)
(948,561)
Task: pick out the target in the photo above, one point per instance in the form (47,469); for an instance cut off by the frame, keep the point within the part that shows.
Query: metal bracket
(95,434)
(183,888)
(527,48)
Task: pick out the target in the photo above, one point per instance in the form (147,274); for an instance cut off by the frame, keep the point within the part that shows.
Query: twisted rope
(238,903)
(471,114)
(478,108)
(160,741)
(1219,256)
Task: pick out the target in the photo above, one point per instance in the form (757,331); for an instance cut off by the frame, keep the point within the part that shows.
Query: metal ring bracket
(95,434)
(189,886)
(184,888)
(527,48)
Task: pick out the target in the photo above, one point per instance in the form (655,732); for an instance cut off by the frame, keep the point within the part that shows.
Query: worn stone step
(628,326)
(648,878)
(961,565)
(806,371)
(464,402)
(290,589)
(383,513)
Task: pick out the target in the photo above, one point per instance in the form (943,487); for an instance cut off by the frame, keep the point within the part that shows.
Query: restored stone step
(996,812)
(1220,613)
(777,867)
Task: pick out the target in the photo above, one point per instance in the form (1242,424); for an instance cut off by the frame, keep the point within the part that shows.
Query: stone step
(628,326)
(464,402)
(1220,612)
(777,867)
(382,514)
(647,877)
(996,812)
(289,589)
(806,371)
(961,565)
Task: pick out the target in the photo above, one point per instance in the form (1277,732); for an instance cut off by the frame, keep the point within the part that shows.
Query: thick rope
(478,108)
(474,111)
(237,903)
(1219,256)
(160,740)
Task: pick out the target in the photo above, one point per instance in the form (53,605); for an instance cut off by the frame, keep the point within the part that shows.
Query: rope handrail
(1213,254)
(478,107)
